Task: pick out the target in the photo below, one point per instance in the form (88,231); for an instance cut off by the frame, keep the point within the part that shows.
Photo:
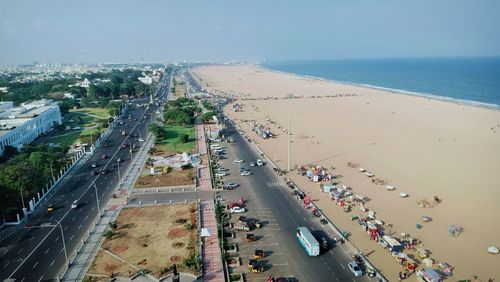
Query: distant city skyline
(160,31)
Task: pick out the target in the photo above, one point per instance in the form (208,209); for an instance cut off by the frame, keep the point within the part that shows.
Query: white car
(355,269)
(238,160)
(252,164)
(220,173)
(74,205)
(237,210)
(245,173)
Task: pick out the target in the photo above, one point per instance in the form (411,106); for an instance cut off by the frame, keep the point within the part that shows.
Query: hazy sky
(135,31)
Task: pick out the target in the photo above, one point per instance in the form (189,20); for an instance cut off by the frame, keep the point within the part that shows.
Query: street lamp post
(119,176)
(58,224)
(289,130)
(22,198)
(51,170)
(97,200)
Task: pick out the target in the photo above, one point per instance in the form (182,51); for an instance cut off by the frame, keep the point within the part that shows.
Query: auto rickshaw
(258,254)
(257,268)
(250,237)
(252,263)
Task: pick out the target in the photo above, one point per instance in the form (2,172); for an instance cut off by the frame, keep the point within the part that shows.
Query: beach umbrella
(493,250)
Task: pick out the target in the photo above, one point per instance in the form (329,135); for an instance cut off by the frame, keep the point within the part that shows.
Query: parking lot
(274,261)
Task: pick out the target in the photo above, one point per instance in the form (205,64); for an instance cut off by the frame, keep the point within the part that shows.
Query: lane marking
(23,279)
(52,262)
(86,217)
(65,228)
(342,266)
(32,238)
(5,252)
(56,239)
(71,238)
(46,251)
(36,263)
(79,226)
(6,264)
(20,250)
(40,278)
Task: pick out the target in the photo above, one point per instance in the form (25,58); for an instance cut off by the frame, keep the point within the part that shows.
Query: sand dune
(423,147)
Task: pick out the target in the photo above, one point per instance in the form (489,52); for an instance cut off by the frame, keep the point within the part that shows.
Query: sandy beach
(421,146)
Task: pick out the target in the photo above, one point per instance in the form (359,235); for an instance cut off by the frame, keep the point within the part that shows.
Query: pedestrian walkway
(90,247)
(212,261)
(275,184)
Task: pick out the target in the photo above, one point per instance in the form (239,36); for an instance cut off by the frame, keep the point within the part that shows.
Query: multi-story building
(23,124)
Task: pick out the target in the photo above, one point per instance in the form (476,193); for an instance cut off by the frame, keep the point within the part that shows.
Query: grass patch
(171,143)
(65,139)
(101,113)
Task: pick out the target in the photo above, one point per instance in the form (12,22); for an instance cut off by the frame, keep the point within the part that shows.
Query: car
(103,157)
(141,140)
(237,210)
(260,162)
(74,205)
(232,185)
(252,164)
(125,145)
(94,173)
(93,165)
(51,207)
(355,269)
(222,169)
(119,160)
(242,169)
(246,173)
(220,173)
(104,171)
(323,243)
(238,160)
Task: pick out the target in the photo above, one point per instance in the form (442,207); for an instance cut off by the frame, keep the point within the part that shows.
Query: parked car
(238,160)
(355,269)
(220,173)
(246,173)
(237,210)
(252,164)
(260,162)
(242,169)
(230,186)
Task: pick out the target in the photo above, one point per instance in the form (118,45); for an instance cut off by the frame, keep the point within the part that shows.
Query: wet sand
(423,147)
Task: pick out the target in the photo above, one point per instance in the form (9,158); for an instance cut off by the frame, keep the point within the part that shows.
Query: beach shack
(428,275)
(328,188)
(390,243)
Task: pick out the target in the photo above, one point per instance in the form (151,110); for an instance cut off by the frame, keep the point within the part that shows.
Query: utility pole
(289,130)
(97,200)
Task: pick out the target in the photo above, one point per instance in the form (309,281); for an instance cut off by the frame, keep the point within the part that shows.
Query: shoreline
(462,102)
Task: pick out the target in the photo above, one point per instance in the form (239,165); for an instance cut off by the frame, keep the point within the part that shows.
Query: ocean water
(468,80)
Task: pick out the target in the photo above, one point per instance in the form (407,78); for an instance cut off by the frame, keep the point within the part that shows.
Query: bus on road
(308,241)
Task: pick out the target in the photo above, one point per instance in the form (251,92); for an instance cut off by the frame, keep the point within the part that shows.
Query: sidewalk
(211,255)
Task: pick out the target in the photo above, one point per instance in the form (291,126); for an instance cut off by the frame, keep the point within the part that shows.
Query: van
(74,205)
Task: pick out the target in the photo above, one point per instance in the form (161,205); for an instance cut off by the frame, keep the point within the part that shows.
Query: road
(267,193)
(37,254)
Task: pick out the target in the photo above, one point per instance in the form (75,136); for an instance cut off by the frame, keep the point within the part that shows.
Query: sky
(124,31)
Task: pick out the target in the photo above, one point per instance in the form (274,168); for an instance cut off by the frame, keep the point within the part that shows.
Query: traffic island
(149,240)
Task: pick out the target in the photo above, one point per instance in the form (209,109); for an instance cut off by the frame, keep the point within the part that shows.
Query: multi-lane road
(269,198)
(37,253)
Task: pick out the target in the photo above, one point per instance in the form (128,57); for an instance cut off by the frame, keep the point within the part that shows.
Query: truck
(307,241)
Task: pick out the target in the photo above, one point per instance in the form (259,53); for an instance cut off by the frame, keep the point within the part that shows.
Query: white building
(23,124)
(85,83)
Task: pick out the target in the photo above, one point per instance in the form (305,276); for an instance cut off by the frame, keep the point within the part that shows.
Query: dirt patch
(172,178)
(177,232)
(175,259)
(181,213)
(178,245)
(111,267)
(120,249)
(143,243)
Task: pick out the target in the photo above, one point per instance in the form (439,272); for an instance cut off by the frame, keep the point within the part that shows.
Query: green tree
(183,138)
(159,131)
(206,116)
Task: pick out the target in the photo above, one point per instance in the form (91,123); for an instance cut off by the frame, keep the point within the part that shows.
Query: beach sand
(423,147)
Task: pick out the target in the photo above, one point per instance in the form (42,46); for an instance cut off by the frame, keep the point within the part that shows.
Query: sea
(473,81)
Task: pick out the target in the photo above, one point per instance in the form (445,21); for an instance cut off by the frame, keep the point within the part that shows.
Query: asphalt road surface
(37,254)
(270,193)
